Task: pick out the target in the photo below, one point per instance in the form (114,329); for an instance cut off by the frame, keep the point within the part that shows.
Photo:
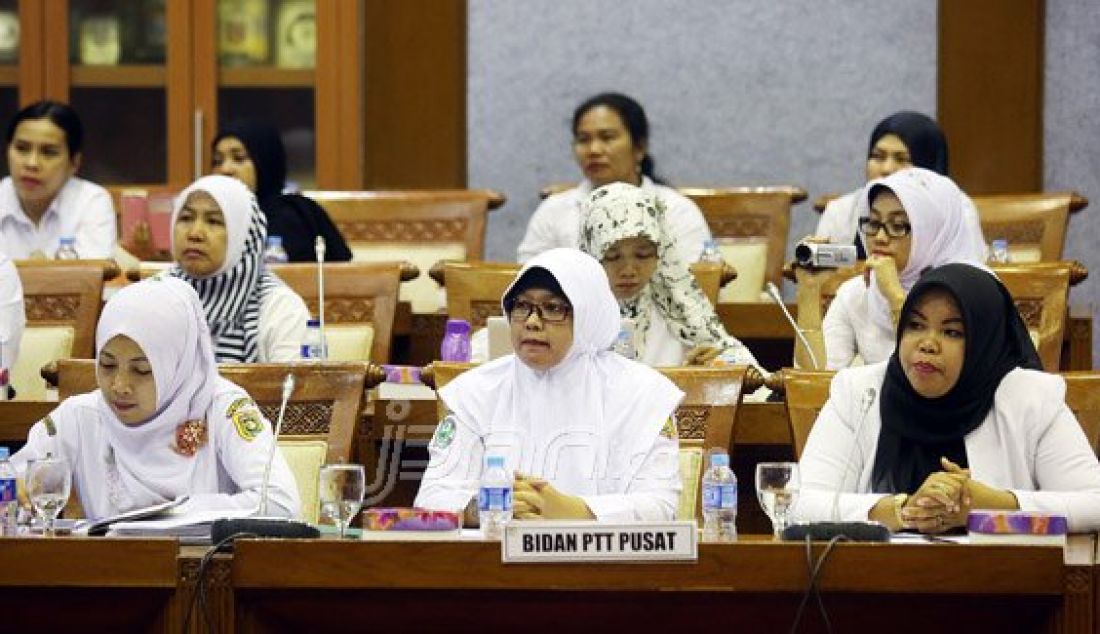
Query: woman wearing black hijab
(959,417)
(253,153)
(904,139)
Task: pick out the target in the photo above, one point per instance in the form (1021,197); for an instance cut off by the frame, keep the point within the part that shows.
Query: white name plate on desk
(578,542)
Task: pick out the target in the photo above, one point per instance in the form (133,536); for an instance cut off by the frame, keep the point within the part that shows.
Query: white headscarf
(942,229)
(164,317)
(592,392)
(619,211)
(232,296)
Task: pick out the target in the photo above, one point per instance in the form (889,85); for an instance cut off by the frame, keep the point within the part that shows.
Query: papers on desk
(101,526)
(189,527)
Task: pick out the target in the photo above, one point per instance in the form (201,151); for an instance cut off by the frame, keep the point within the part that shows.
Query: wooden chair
(806,392)
(321,420)
(360,301)
(474,289)
(705,418)
(1040,291)
(422,227)
(62,302)
(1034,224)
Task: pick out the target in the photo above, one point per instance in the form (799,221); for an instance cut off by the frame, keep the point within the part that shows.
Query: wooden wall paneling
(204,74)
(990,97)
(55,56)
(414,94)
(179,94)
(339,95)
(32,51)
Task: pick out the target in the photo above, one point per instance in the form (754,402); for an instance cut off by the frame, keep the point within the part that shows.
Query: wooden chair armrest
(375,375)
(729,274)
(776,382)
(1078,272)
(753,380)
(49,373)
(496,199)
(409,271)
(427,375)
(438,272)
(1077,202)
(797,195)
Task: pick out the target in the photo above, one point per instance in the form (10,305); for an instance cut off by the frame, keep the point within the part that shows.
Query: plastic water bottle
(710,252)
(275,253)
(624,343)
(998,254)
(494,498)
(719,500)
(67,249)
(312,345)
(9,502)
(456,341)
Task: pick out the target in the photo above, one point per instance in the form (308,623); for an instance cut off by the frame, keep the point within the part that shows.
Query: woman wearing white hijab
(625,228)
(588,432)
(163,423)
(910,221)
(218,238)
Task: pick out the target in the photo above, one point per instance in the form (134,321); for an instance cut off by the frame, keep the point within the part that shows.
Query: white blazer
(1030,443)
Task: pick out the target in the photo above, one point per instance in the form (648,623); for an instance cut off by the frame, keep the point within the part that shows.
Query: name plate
(579,542)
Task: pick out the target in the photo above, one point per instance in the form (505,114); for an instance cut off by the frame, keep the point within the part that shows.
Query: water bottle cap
(719,460)
(457,326)
(274,241)
(68,240)
(495,461)
(313,323)
(1000,243)
(4,453)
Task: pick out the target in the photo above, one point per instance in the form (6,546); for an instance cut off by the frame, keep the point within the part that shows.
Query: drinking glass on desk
(777,485)
(341,492)
(49,481)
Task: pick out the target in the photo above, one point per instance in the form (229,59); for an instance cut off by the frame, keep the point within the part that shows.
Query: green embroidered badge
(444,433)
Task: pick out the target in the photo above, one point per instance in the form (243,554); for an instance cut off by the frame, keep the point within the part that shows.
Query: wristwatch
(899,502)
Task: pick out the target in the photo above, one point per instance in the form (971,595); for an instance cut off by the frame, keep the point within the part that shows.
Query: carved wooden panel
(482,310)
(302,419)
(1021,232)
(691,421)
(747,226)
(452,230)
(1031,310)
(345,310)
(51,307)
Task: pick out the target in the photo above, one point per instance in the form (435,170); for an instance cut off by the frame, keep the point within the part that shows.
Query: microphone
(258,525)
(866,531)
(773,292)
(319,249)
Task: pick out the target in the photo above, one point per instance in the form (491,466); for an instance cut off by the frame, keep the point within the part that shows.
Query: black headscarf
(916,430)
(923,138)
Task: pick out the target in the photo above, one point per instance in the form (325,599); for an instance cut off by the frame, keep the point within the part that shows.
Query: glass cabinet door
(119,83)
(266,55)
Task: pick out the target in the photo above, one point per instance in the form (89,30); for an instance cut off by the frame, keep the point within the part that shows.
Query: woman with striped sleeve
(218,236)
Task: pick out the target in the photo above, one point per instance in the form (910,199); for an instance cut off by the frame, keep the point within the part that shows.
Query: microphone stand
(319,249)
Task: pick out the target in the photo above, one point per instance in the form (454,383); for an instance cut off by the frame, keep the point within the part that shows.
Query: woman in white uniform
(611,145)
(626,228)
(960,417)
(43,200)
(589,433)
(218,237)
(13,317)
(910,221)
(163,423)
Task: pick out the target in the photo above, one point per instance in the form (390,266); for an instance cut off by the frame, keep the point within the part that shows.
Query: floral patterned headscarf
(619,211)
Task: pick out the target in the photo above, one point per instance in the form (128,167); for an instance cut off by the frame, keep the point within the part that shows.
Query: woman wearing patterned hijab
(218,236)
(625,228)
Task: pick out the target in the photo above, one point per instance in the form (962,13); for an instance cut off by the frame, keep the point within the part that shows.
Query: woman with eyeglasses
(909,222)
(588,433)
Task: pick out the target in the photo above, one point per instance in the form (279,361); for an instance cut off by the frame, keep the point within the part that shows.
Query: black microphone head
(825,531)
(222,529)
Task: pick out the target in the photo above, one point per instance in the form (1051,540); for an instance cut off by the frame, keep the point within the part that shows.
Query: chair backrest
(474,289)
(1033,224)
(1083,397)
(360,302)
(422,227)
(705,417)
(62,302)
(750,225)
(324,406)
(806,393)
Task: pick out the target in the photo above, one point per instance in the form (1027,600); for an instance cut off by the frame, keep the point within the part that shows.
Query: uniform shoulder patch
(444,432)
(246,418)
(669,430)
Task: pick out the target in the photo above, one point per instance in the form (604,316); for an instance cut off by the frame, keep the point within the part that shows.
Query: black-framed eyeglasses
(549,311)
(870,228)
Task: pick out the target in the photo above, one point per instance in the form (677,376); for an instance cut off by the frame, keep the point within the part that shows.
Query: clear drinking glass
(341,491)
(49,481)
(777,485)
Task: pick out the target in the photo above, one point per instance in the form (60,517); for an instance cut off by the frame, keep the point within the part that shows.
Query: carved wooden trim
(449,230)
(311,418)
(481,311)
(1021,232)
(51,307)
(1031,310)
(746,226)
(345,310)
(691,421)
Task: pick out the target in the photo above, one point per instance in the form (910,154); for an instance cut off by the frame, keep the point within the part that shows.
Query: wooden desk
(17,417)
(751,585)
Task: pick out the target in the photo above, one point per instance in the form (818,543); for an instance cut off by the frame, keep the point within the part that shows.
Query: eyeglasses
(870,228)
(549,311)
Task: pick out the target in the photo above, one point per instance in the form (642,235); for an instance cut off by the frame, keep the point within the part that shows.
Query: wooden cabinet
(152,79)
